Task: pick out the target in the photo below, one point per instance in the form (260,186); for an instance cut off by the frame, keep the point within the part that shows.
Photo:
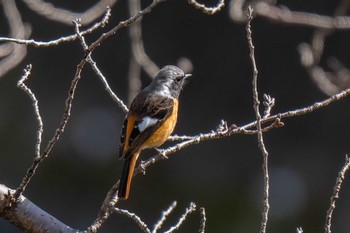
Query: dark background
(224,176)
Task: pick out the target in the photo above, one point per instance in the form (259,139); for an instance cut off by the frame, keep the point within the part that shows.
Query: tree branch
(261,144)
(27,216)
(335,196)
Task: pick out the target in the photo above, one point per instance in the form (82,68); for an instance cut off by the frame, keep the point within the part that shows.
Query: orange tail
(127,174)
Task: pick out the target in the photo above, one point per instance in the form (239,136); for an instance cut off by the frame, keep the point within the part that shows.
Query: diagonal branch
(59,131)
(27,216)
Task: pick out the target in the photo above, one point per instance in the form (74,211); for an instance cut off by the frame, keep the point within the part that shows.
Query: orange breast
(164,131)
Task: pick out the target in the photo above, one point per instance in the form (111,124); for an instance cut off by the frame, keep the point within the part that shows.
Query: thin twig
(134,217)
(203,220)
(261,144)
(21,85)
(165,214)
(104,81)
(122,24)
(96,69)
(66,114)
(335,196)
(175,137)
(181,220)
(208,10)
(63,39)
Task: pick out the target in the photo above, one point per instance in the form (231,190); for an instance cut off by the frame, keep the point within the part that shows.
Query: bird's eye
(178,79)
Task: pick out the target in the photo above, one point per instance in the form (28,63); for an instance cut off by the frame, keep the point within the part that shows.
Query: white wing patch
(146,122)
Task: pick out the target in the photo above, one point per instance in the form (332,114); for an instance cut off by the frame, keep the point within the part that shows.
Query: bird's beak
(187,76)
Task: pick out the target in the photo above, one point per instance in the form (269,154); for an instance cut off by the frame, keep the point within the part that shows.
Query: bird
(150,121)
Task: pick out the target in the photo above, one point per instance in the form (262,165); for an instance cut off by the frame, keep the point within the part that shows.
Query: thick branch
(27,216)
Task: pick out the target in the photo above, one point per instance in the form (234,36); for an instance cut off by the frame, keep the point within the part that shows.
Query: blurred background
(223,176)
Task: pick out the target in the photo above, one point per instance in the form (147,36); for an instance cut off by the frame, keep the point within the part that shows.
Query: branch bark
(28,217)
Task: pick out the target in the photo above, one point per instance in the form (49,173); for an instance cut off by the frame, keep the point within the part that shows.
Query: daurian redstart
(150,121)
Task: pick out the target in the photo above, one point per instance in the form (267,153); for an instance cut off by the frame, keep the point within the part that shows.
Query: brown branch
(335,196)
(265,212)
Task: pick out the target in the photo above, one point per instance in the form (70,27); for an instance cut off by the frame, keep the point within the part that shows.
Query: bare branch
(207,10)
(51,12)
(335,196)
(188,211)
(106,209)
(134,217)
(114,97)
(203,220)
(27,216)
(268,102)
(175,137)
(22,86)
(97,70)
(123,24)
(229,131)
(54,42)
(258,121)
(162,219)
(66,114)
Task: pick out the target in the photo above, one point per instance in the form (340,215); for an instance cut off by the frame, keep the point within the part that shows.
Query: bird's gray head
(169,81)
